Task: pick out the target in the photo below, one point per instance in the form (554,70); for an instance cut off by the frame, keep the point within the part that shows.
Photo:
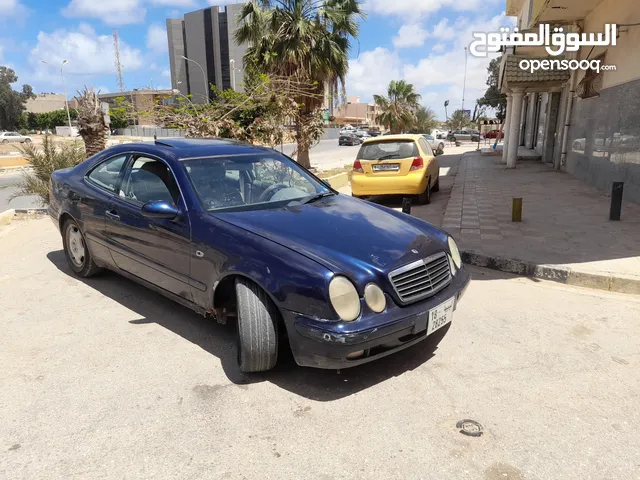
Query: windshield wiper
(313,198)
(387,157)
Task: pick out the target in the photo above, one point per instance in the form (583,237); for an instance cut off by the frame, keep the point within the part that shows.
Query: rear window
(389,149)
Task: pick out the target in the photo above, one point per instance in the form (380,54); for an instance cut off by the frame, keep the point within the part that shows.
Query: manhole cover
(469,427)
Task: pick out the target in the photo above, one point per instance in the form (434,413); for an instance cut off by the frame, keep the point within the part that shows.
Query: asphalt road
(105,379)
(7,180)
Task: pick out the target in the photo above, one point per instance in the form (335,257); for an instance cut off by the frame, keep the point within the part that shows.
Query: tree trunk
(303,158)
(94,143)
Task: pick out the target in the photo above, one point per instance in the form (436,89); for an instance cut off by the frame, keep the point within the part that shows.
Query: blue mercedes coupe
(243,233)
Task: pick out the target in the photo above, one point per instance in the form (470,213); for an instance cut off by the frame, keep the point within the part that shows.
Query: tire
(436,186)
(453,139)
(441,147)
(76,251)
(257,328)
(28,140)
(5,141)
(424,198)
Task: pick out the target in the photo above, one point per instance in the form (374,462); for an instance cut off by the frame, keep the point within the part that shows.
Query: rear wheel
(436,186)
(28,140)
(75,249)
(424,198)
(441,148)
(257,328)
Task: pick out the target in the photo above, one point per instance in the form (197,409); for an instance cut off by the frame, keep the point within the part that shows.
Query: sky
(420,41)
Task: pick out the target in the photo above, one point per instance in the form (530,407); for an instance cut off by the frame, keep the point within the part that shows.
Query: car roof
(181,148)
(398,136)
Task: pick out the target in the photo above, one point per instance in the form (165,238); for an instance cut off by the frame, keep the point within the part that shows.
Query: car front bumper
(322,344)
(414,183)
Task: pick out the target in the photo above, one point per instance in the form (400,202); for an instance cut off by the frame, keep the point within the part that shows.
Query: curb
(553,273)
(7,216)
(338,181)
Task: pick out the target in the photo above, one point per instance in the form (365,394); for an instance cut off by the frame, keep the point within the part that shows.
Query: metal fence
(143,131)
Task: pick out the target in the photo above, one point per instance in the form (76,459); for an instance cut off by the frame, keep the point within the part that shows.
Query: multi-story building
(356,113)
(142,102)
(203,51)
(45,102)
(585,122)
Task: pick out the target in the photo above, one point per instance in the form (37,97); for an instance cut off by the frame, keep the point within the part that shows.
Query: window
(106,174)
(150,180)
(250,182)
(387,150)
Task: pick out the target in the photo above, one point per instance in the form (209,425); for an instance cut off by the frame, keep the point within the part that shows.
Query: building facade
(203,51)
(355,113)
(45,102)
(583,122)
(142,102)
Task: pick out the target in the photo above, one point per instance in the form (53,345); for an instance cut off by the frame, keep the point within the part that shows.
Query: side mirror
(160,209)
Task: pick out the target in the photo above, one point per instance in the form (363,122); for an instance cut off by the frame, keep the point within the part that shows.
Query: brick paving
(565,222)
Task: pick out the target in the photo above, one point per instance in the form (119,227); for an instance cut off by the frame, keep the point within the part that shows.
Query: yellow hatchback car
(396,165)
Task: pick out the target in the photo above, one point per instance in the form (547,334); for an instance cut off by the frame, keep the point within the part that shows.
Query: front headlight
(344,298)
(455,253)
(374,297)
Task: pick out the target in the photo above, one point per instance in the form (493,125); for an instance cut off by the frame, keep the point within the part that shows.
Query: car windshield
(388,149)
(251,182)
(429,138)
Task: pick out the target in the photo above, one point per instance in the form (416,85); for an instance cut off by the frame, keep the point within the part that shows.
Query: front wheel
(441,148)
(75,249)
(257,328)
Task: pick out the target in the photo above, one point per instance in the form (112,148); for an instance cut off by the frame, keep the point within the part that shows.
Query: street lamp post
(233,73)
(204,77)
(464,84)
(64,86)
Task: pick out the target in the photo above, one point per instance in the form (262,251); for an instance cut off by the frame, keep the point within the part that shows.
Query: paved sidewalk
(565,233)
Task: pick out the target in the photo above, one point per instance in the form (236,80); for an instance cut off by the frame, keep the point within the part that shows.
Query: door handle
(112,214)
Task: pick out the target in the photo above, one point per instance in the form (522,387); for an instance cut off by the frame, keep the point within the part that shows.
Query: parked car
(349,139)
(396,165)
(363,134)
(462,135)
(436,145)
(243,232)
(494,134)
(13,137)
(374,132)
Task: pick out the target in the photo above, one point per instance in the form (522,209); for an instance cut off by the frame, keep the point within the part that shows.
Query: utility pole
(116,48)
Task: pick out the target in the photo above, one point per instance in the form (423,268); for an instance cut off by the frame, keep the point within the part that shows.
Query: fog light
(357,354)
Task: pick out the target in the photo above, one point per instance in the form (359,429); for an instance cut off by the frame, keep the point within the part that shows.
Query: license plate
(385,167)
(440,316)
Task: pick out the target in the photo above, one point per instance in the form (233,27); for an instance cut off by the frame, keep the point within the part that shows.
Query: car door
(93,201)
(155,250)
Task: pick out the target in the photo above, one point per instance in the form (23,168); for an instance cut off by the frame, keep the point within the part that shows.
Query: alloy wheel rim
(75,242)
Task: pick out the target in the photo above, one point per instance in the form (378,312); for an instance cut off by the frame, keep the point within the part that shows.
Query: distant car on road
(494,134)
(363,134)
(349,139)
(468,135)
(13,137)
(436,145)
(247,235)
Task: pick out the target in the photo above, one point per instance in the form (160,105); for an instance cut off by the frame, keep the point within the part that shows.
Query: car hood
(344,234)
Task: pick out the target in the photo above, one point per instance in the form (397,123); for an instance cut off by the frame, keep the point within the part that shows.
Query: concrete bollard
(406,205)
(616,200)
(516,209)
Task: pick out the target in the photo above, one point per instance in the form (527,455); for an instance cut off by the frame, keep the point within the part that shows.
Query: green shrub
(45,160)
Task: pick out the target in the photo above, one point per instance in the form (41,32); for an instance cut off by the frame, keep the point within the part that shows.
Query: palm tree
(398,107)
(459,120)
(307,41)
(91,124)
(425,120)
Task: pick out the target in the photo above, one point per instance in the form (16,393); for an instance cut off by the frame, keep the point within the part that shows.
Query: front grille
(421,279)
